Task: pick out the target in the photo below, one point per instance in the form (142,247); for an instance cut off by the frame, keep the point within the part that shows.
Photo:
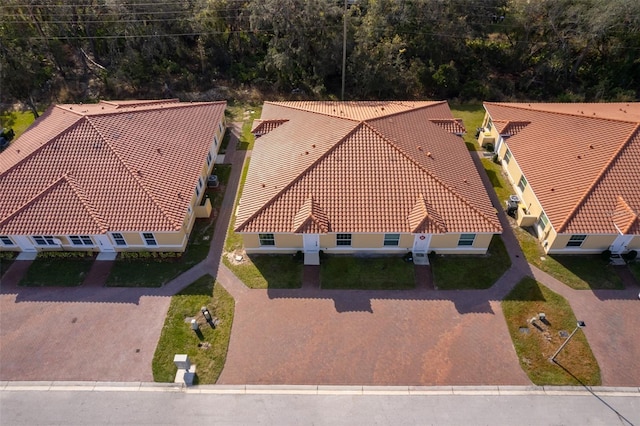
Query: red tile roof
(580,160)
(112,166)
(363,167)
(261,127)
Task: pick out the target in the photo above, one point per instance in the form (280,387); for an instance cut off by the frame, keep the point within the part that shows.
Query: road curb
(58,386)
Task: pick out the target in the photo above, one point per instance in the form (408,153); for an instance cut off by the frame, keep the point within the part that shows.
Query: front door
(24,243)
(104,244)
(311,242)
(620,243)
(421,243)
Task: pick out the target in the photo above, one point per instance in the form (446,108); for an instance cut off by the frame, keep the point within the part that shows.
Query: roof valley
(299,177)
(597,179)
(135,177)
(428,172)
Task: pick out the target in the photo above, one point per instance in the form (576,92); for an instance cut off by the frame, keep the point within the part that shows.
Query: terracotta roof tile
(422,218)
(510,128)
(454,125)
(310,219)
(577,164)
(127,166)
(262,127)
(365,176)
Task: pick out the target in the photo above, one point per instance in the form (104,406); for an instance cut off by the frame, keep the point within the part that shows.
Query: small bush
(631,256)
(7,255)
(64,254)
(158,256)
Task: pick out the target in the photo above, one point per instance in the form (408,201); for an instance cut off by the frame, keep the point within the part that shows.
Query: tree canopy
(81,50)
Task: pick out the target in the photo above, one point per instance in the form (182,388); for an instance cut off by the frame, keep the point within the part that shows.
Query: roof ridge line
(282,104)
(134,175)
(93,212)
(394,114)
(573,114)
(46,143)
(435,178)
(299,177)
(34,198)
(598,178)
(159,106)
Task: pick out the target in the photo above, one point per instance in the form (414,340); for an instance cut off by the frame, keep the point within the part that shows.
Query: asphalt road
(163,407)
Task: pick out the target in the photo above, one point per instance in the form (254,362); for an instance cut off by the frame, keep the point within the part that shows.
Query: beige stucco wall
(448,244)
(592,244)
(634,244)
(364,243)
(289,240)
(444,241)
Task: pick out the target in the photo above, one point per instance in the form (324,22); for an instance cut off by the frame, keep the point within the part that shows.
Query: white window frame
(5,240)
(116,236)
(343,239)
(267,239)
(199,186)
(215,139)
(576,240)
(542,222)
(47,240)
(391,240)
(466,240)
(148,236)
(522,183)
(507,156)
(81,240)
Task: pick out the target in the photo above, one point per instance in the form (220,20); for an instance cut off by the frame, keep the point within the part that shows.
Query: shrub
(64,254)
(631,256)
(8,255)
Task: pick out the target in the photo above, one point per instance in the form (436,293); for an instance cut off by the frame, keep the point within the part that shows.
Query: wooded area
(82,50)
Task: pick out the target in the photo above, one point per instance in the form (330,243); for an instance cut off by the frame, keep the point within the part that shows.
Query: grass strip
(535,343)
(207,349)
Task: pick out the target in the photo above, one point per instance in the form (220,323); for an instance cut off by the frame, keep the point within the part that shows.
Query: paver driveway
(79,333)
(370,338)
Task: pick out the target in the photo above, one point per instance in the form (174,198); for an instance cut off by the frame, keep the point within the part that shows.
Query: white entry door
(311,242)
(24,243)
(620,243)
(104,244)
(421,243)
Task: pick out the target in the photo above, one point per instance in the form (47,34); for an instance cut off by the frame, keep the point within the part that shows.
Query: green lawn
(234,241)
(57,272)
(268,271)
(581,272)
(18,121)
(455,272)
(208,351)
(155,272)
(472,116)
(576,364)
(245,113)
(498,180)
(370,273)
